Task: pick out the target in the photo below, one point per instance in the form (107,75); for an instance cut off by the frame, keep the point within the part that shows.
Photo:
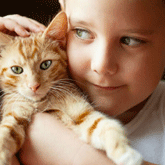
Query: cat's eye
(17,69)
(45,65)
(130,41)
(83,34)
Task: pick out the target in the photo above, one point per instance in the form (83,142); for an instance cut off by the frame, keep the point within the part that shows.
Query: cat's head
(29,66)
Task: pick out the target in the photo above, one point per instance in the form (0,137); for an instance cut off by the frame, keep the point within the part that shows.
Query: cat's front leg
(109,135)
(98,130)
(112,139)
(6,150)
(12,135)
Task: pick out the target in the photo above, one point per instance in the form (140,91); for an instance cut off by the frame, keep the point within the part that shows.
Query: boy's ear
(57,29)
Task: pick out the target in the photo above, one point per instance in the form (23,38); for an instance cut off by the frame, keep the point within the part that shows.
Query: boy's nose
(104,62)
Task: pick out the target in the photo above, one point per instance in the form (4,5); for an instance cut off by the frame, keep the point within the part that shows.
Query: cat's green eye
(45,65)
(17,69)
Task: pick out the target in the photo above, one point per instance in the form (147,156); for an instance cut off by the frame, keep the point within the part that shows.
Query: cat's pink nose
(35,87)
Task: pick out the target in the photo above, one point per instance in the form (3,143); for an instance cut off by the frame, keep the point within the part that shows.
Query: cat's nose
(35,87)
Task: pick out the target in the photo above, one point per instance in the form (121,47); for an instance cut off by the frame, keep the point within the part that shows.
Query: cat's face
(30,66)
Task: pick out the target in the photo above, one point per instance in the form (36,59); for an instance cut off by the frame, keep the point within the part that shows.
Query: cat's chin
(35,98)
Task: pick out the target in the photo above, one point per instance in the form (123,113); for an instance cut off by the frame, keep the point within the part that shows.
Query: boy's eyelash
(88,36)
(131,41)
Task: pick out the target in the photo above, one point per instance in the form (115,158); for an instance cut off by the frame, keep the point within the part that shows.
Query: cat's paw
(5,156)
(117,145)
(3,159)
(130,157)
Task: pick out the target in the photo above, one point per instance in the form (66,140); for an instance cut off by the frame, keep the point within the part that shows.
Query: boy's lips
(110,88)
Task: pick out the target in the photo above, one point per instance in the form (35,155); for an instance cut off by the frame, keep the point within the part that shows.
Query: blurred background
(40,10)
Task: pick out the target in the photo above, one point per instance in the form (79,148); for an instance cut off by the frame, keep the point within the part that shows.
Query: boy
(116,54)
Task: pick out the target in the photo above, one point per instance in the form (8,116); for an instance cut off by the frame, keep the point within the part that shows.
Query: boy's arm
(50,142)
(15,161)
(148,163)
(19,25)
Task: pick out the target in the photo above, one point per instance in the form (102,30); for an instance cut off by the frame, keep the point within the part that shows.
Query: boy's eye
(83,34)
(45,65)
(131,41)
(17,69)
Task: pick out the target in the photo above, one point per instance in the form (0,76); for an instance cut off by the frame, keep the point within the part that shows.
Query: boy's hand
(19,25)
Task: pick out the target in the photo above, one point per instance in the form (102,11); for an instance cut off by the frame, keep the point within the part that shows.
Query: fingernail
(27,33)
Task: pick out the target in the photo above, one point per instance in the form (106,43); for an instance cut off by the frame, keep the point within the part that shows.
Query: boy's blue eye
(130,41)
(83,34)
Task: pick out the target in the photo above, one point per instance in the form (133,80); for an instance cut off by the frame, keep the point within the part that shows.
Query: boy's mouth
(110,88)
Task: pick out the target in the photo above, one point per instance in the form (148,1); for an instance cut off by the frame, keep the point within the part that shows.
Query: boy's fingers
(27,23)
(8,25)
(40,26)
(19,30)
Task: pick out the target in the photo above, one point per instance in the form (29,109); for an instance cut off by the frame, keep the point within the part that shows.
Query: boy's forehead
(106,2)
(92,8)
(131,16)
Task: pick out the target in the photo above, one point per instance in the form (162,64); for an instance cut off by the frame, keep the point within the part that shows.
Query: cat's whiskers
(75,81)
(63,91)
(63,81)
(68,83)
(57,94)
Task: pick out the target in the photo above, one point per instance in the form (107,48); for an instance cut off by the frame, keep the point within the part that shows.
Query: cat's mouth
(36,97)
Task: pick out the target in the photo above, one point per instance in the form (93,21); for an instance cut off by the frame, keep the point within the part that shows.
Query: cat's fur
(37,89)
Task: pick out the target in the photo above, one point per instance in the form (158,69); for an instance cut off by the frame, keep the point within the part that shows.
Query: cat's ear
(5,39)
(57,29)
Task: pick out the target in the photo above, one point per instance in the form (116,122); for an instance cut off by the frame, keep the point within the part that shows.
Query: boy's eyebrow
(79,22)
(74,20)
(140,31)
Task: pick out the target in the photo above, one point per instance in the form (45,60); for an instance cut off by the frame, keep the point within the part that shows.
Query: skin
(112,58)
(18,25)
(60,146)
(15,161)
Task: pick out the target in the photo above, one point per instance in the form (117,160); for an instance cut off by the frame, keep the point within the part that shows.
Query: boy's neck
(130,114)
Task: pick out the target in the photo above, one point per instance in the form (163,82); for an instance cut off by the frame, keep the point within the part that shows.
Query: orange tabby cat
(33,77)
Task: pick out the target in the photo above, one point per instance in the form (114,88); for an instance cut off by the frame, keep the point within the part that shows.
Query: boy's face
(116,50)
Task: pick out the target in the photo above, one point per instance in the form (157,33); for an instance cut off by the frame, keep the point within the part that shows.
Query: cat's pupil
(17,69)
(45,65)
